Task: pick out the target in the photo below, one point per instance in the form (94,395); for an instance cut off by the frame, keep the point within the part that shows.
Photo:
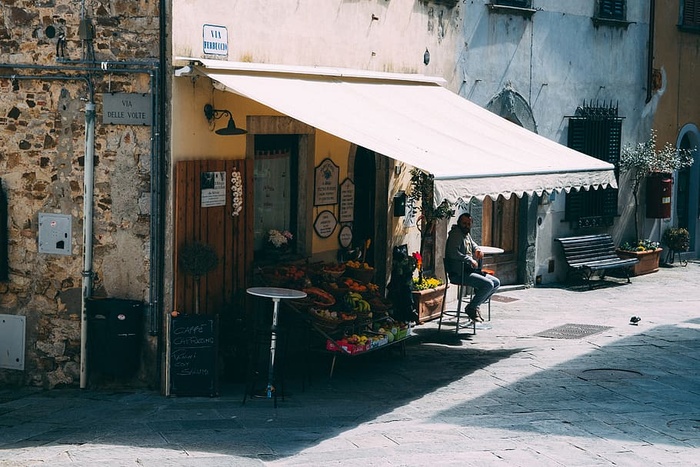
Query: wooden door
(500,229)
(231,236)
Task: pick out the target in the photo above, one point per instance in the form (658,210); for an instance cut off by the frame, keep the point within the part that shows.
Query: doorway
(276,187)
(500,228)
(365,171)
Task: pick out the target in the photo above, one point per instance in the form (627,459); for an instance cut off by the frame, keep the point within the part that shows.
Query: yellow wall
(193,139)
(677,53)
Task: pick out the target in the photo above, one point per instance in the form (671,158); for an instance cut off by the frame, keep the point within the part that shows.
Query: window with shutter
(518,3)
(596,131)
(612,9)
(690,14)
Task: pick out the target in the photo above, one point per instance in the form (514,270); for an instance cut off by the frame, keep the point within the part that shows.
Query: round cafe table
(276,294)
(490,250)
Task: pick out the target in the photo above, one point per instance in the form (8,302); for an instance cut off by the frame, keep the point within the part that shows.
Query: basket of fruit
(362,272)
(334,270)
(319,297)
(325,318)
(338,290)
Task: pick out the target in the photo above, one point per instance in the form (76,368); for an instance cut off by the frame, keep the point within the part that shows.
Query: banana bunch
(357,303)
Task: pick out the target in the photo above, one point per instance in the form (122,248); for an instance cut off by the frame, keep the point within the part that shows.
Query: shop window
(690,15)
(275,181)
(596,131)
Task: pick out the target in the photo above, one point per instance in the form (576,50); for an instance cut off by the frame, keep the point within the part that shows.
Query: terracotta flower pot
(429,302)
(648,260)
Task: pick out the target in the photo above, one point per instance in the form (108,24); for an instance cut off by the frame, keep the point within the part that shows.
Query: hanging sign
(347,201)
(325,224)
(326,183)
(213,189)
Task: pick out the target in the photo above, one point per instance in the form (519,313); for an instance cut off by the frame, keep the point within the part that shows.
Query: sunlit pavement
(625,395)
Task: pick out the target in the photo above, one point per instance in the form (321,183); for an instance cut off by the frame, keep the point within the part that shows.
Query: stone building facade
(58,59)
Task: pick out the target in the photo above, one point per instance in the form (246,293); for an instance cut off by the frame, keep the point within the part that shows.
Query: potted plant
(646,251)
(422,196)
(645,159)
(677,240)
(197,260)
(428,292)
(278,242)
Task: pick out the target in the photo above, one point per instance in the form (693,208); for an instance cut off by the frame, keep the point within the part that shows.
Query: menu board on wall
(326,183)
(193,356)
(347,201)
(325,224)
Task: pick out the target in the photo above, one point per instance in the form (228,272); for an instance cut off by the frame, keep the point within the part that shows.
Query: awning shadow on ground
(363,388)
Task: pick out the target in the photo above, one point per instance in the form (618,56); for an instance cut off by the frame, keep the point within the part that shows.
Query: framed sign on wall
(326,178)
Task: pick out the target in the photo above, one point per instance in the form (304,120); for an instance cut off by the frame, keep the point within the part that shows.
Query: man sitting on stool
(461,250)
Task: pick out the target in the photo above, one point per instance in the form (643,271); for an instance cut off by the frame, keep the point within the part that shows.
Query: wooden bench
(587,254)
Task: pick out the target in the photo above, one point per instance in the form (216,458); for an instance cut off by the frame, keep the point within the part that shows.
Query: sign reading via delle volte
(122,108)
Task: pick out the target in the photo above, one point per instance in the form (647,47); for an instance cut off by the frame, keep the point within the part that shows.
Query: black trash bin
(114,335)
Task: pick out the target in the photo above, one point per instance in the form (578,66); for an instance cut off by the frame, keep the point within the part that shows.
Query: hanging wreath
(236,192)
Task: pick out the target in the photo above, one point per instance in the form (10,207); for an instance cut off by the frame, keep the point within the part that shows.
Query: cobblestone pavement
(600,393)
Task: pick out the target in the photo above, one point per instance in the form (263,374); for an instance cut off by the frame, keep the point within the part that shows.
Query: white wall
(557,60)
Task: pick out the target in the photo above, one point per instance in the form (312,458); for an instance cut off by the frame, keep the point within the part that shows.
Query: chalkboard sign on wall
(193,356)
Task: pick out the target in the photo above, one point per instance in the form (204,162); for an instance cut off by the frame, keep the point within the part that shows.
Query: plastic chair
(456,315)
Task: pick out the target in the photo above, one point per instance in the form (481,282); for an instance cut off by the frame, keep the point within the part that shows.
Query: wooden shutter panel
(691,13)
(612,9)
(518,3)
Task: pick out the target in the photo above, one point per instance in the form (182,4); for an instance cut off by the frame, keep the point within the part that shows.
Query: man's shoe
(474,315)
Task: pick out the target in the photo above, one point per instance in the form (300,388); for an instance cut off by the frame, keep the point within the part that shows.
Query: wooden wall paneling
(213,223)
(230,236)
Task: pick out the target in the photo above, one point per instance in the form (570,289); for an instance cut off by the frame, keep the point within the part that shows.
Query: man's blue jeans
(484,287)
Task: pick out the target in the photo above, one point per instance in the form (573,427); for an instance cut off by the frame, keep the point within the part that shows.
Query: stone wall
(44,86)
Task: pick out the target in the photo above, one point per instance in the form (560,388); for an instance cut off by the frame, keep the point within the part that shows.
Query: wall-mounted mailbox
(659,190)
(55,233)
(400,204)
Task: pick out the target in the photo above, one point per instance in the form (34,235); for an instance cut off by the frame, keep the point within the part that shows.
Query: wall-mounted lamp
(212,114)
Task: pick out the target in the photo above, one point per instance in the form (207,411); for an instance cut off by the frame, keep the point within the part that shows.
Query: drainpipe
(650,55)
(88,190)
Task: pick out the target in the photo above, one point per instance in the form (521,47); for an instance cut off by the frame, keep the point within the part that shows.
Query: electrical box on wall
(55,233)
(12,329)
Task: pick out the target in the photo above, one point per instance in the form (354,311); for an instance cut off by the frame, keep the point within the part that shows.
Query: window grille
(597,131)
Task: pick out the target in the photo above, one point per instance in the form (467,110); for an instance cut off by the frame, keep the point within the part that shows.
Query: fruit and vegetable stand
(343,307)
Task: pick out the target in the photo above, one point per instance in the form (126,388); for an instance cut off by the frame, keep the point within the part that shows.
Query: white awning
(411,118)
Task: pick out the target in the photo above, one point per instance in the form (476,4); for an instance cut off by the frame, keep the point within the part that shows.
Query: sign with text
(326,183)
(215,39)
(193,355)
(213,189)
(347,201)
(122,108)
(325,224)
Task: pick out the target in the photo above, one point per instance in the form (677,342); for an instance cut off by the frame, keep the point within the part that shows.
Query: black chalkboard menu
(193,356)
